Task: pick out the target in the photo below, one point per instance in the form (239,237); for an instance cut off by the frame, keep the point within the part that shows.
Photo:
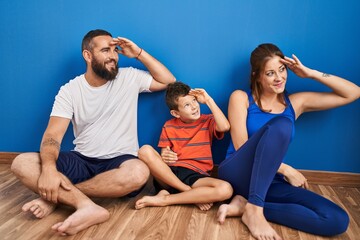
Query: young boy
(183,169)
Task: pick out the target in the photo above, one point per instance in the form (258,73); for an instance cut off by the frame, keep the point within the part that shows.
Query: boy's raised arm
(222,124)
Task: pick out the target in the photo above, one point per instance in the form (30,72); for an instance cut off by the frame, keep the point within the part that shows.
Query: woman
(262,126)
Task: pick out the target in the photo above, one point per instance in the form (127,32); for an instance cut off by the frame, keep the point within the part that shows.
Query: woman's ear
(175,113)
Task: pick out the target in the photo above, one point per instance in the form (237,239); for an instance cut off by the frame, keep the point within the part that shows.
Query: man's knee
(25,163)
(137,173)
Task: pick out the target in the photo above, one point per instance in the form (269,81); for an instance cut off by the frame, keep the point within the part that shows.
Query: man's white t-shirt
(104,118)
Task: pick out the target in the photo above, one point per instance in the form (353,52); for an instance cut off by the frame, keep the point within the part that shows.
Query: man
(102,105)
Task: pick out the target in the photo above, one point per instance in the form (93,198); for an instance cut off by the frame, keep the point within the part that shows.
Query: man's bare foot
(234,209)
(253,217)
(152,201)
(81,219)
(204,206)
(39,207)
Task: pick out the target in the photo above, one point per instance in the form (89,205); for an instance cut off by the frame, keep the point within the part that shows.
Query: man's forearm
(49,152)
(157,70)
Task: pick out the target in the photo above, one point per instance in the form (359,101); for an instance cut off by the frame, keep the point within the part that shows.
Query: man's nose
(114,54)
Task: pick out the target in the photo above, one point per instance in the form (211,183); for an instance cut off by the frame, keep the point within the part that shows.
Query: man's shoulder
(131,75)
(123,71)
(75,81)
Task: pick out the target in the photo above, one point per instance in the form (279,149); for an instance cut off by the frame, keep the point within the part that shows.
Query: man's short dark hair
(173,92)
(87,40)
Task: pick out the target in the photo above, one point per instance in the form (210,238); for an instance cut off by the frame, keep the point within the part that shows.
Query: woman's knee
(338,222)
(333,222)
(282,126)
(281,122)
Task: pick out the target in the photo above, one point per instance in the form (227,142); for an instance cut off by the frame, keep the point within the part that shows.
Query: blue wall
(205,43)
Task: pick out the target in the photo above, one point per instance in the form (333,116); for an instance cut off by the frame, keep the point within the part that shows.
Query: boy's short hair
(173,92)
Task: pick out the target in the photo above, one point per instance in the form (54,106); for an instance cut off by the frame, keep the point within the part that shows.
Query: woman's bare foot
(82,218)
(152,201)
(39,207)
(253,217)
(234,209)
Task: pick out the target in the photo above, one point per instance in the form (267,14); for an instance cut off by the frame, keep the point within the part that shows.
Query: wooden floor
(174,222)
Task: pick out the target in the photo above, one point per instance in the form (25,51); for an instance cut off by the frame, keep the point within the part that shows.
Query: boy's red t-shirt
(191,141)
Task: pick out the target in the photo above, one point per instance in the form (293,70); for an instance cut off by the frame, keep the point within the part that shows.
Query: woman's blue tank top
(256,118)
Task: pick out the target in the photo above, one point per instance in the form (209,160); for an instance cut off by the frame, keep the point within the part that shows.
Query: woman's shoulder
(297,101)
(239,98)
(239,94)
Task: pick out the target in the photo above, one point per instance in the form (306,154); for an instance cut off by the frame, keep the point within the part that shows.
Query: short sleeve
(164,140)
(62,106)
(212,128)
(143,78)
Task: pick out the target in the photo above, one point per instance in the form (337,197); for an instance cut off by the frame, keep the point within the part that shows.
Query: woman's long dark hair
(259,57)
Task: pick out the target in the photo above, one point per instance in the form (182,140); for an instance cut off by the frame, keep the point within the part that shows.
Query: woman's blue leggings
(252,171)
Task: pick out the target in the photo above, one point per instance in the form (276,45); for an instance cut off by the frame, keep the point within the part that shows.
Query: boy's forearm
(222,124)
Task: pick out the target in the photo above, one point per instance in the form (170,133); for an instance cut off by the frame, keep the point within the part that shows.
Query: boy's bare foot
(234,209)
(204,206)
(253,217)
(82,218)
(39,207)
(152,201)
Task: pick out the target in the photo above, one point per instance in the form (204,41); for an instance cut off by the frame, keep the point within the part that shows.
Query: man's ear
(87,55)
(175,113)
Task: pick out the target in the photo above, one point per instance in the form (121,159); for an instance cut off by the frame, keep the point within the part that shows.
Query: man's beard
(101,70)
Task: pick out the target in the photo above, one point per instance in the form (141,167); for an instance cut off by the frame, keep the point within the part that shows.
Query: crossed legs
(203,192)
(114,183)
(251,170)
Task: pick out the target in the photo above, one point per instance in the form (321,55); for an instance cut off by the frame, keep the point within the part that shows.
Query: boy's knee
(145,152)
(224,190)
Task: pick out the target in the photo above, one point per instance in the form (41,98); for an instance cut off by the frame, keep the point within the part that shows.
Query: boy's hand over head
(200,94)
